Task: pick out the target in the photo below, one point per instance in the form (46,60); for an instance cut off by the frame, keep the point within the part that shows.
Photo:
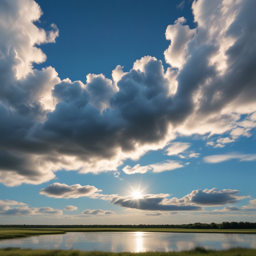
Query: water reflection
(133,241)
(139,242)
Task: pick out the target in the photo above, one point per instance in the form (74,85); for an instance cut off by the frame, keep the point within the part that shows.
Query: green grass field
(6,233)
(196,252)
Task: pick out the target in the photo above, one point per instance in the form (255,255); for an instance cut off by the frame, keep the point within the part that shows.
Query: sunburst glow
(136,194)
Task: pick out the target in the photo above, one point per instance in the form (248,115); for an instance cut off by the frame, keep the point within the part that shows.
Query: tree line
(197,225)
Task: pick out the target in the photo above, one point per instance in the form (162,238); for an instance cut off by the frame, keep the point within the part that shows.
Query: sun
(136,194)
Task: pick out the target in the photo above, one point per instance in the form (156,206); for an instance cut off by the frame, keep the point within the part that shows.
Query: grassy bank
(6,233)
(196,252)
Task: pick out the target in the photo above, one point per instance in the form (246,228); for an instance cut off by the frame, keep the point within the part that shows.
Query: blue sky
(127,112)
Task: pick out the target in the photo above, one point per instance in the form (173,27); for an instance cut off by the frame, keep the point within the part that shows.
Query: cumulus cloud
(251,206)
(61,190)
(210,197)
(48,210)
(179,35)
(70,208)
(99,212)
(5,204)
(155,168)
(48,124)
(226,157)
(14,208)
(101,90)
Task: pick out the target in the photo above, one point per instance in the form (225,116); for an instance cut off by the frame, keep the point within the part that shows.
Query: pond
(132,241)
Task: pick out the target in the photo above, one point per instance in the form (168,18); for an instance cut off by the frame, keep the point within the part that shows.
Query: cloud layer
(191,202)
(49,124)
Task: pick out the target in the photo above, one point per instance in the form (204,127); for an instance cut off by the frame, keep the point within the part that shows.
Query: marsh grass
(198,251)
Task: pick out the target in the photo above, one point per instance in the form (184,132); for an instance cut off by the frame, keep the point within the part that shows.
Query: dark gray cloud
(17,211)
(231,208)
(210,197)
(48,124)
(101,90)
(215,197)
(61,190)
(48,210)
(152,203)
(153,214)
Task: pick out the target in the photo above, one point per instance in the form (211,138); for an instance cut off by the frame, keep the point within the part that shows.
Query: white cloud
(179,35)
(70,208)
(240,132)
(177,148)
(14,208)
(155,168)
(226,157)
(192,155)
(251,206)
(165,166)
(225,140)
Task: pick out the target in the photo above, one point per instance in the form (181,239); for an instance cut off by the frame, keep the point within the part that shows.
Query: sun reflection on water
(139,242)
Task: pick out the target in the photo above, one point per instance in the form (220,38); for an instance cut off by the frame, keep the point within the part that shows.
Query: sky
(127,112)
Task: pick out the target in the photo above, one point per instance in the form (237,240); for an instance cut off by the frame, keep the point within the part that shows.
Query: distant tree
(214,225)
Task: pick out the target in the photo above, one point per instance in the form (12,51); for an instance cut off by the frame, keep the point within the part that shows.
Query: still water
(132,241)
